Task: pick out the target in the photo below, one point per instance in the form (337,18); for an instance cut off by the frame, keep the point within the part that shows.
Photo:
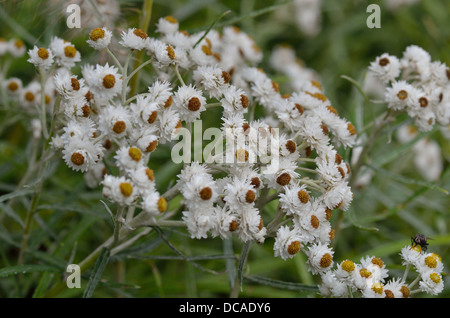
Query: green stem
(144,24)
(43,76)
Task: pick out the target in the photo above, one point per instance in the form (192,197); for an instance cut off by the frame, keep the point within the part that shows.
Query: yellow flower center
(250,196)
(431,261)
(109,81)
(152,146)
(303,196)
(171,19)
(162,205)
(377,261)
(205,193)
(43,53)
(126,189)
(402,95)
(13,86)
(194,104)
(364,272)
(140,33)
(119,127)
(70,51)
(377,288)
(284,179)
(405,291)
(435,278)
(314,221)
(135,153)
(294,248)
(170,52)
(150,174)
(348,266)
(97,34)
(77,159)
(326,260)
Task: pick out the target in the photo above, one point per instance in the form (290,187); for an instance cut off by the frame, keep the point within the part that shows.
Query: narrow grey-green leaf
(242,260)
(407,180)
(281,284)
(24,269)
(97,272)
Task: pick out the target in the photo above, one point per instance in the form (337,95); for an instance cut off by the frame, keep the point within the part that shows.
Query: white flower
(373,290)
(386,68)
(429,261)
(189,102)
(199,222)
(331,286)
(410,255)
(251,226)
(401,95)
(287,243)
(119,190)
(167,25)
(376,266)
(94,175)
(135,39)
(212,79)
(169,124)
(199,192)
(81,154)
(143,178)
(41,57)
(16,47)
(295,199)
(320,258)
(165,54)
(13,86)
(99,38)
(103,81)
(416,61)
(239,193)
(431,282)
(153,203)
(160,92)
(66,55)
(234,101)
(394,288)
(225,222)
(114,121)
(129,158)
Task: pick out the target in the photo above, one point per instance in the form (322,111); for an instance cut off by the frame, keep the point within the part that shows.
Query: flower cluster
(110,136)
(416,85)
(369,277)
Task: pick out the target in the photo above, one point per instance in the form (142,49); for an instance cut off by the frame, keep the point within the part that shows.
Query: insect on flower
(420,239)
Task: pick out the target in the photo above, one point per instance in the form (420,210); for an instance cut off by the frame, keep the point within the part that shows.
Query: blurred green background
(384,215)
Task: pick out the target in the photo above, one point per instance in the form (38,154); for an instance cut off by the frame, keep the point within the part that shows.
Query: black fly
(421,240)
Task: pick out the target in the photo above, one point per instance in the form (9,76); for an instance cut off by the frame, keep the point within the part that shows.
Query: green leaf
(281,284)
(24,269)
(15,194)
(242,260)
(97,272)
(407,180)
(12,214)
(400,150)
